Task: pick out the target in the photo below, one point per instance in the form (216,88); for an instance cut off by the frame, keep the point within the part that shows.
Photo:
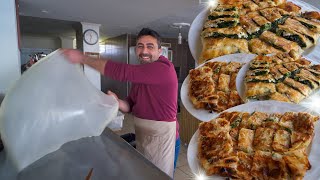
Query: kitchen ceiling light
(179,26)
(44,11)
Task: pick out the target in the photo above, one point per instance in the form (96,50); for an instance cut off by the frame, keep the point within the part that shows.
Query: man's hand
(123,105)
(74,56)
(113,94)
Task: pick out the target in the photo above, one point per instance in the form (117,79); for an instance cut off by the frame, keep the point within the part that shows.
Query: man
(152,98)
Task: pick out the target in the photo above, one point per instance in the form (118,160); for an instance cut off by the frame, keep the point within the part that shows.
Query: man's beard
(142,61)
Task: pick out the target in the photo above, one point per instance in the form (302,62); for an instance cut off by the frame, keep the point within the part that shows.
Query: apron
(156,141)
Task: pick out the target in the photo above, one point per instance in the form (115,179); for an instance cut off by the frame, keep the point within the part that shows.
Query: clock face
(90,36)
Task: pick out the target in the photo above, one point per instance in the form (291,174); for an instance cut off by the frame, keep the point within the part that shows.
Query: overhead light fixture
(179,37)
(179,26)
(45,11)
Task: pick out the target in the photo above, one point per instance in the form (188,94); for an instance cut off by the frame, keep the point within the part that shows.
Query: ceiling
(115,16)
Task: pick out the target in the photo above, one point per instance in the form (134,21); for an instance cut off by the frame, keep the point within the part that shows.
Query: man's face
(147,49)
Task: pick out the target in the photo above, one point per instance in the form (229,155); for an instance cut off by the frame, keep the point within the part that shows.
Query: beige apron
(156,141)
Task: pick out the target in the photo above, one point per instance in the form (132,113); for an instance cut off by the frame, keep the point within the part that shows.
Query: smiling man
(152,98)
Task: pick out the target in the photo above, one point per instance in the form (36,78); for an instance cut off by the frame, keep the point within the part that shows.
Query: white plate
(268,107)
(202,114)
(240,84)
(195,30)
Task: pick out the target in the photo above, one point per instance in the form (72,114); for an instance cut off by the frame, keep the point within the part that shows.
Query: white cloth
(156,141)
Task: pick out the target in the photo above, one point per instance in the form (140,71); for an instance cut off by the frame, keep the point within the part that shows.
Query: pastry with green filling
(310,24)
(223,14)
(261,48)
(290,34)
(281,43)
(300,28)
(221,23)
(235,32)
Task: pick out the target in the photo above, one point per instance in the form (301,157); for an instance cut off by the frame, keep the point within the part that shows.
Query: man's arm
(75,56)
(95,63)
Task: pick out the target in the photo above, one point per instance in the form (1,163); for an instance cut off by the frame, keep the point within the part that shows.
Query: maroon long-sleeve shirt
(154,90)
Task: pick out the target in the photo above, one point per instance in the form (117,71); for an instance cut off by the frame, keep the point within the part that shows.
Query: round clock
(90,36)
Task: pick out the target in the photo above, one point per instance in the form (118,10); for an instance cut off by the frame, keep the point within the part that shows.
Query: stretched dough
(51,104)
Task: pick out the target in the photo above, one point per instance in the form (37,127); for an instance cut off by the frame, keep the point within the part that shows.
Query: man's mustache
(145,55)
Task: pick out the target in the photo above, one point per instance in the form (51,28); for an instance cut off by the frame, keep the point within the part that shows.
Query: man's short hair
(150,32)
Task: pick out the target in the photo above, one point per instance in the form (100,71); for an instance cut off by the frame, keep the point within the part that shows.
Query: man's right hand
(74,56)
(123,105)
(113,94)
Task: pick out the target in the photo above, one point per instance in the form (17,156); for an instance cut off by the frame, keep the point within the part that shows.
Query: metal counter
(109,155)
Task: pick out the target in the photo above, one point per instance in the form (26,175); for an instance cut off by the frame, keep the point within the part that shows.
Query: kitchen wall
(116,49)
(9,48)
(32,44)
(43,42)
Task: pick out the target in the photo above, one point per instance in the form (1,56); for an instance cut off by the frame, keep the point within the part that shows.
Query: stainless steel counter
(110,157)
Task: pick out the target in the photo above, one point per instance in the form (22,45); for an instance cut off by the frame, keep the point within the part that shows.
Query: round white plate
(268,107)
(202,114)
(240,82)
(195,30)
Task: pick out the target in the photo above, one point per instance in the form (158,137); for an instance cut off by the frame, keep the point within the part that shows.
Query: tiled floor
(182,171)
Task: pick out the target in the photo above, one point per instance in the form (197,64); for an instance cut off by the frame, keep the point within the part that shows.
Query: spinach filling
(304,81)
(309,26)
(235,123)
(253,35)
(268,26)
(216,34)
(261,80)
(295,88)
(259,66)
(291,37)
(280,79)
(260,97)
(288,130)
(211,17)
(262,72)
(227,24)
(284,72)
(263,28)
(314,72)
(217,70)
(293,73)
(296,39)
(257,71)
(281,20)
(220,9)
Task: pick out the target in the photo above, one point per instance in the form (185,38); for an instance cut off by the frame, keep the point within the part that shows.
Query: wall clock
(90,36)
